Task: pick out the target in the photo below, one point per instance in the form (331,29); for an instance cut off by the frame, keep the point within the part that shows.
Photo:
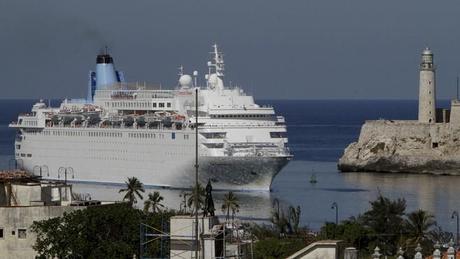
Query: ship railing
(256,149)
(97,126)
(239,125)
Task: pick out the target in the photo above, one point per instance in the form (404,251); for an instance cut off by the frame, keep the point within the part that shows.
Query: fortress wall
(404,146)
(392,129)
(409,134)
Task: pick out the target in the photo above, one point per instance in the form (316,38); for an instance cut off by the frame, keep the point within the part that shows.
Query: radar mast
(216,65)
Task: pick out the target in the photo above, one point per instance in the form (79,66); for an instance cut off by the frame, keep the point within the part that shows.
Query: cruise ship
(131,129)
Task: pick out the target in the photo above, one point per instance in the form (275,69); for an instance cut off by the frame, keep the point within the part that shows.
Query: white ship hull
(154,157)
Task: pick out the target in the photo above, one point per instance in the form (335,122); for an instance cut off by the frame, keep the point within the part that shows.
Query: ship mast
(216,65)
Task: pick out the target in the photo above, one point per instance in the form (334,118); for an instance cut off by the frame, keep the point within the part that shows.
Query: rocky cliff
(404,146)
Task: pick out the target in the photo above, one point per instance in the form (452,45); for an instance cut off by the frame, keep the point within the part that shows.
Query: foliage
(385,220)
(281,222)
(198,192)
(277,248)
(437,234)
(133,190)
(417,227)
(294,218)
(153,202)
(108,231)
(387,225)
(351,231)
(230,203)
(262,231)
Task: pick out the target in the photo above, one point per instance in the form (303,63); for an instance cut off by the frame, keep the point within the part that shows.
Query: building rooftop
(17,176)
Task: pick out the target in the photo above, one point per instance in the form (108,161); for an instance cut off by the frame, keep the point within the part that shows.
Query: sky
(292,49)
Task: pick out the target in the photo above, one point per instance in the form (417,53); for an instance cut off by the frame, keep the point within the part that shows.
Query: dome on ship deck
(185,81)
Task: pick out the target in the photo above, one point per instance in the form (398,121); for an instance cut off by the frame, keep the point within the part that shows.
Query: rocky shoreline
(404,147)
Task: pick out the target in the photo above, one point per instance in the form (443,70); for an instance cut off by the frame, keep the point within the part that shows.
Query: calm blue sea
(318,132)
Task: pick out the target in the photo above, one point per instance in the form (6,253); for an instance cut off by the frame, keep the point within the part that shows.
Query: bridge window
(278,135)
(214,145)
(214,135)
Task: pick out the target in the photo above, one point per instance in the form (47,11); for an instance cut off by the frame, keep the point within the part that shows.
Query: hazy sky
(305,49)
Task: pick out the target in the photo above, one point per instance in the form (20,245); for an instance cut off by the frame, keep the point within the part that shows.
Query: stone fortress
(430,144)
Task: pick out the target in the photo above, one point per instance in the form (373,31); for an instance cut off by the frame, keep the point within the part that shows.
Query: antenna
(217,62)
(181,70)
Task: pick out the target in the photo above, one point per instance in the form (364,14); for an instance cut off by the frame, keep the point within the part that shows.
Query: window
(173,135)
(22,233)
(1,233)
(214,145)
(18,146)
(161,105)
(435,144)
(213,135)
(154,105)
(278,135)
(169,105)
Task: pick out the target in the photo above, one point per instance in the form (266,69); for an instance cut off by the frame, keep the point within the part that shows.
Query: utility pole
(196,173)
(455,215)
(336,207)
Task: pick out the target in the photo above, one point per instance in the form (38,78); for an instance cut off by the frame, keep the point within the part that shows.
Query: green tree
(418,226)
(294,218)
(198,192)
(107,231)
(351,231)
(230,203)
(273,248)
(153,202)
(280,221)
(385,220)
(133,190)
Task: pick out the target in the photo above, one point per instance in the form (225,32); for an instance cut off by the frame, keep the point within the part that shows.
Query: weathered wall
(404,146)
(14,218)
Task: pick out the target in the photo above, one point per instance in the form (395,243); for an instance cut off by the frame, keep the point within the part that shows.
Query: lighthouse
(427,89)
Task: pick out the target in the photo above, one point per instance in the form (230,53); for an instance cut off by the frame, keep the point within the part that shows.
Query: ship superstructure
(131,129)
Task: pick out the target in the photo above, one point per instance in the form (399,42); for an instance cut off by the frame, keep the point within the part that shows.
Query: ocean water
(318,132)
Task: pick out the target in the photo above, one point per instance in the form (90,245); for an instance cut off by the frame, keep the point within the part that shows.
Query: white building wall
(12,219)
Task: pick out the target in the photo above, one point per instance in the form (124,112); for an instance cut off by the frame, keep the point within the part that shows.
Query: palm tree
(230,204)
(294,216)
(418,226)
(153,201)
(133,188)
(196,191)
